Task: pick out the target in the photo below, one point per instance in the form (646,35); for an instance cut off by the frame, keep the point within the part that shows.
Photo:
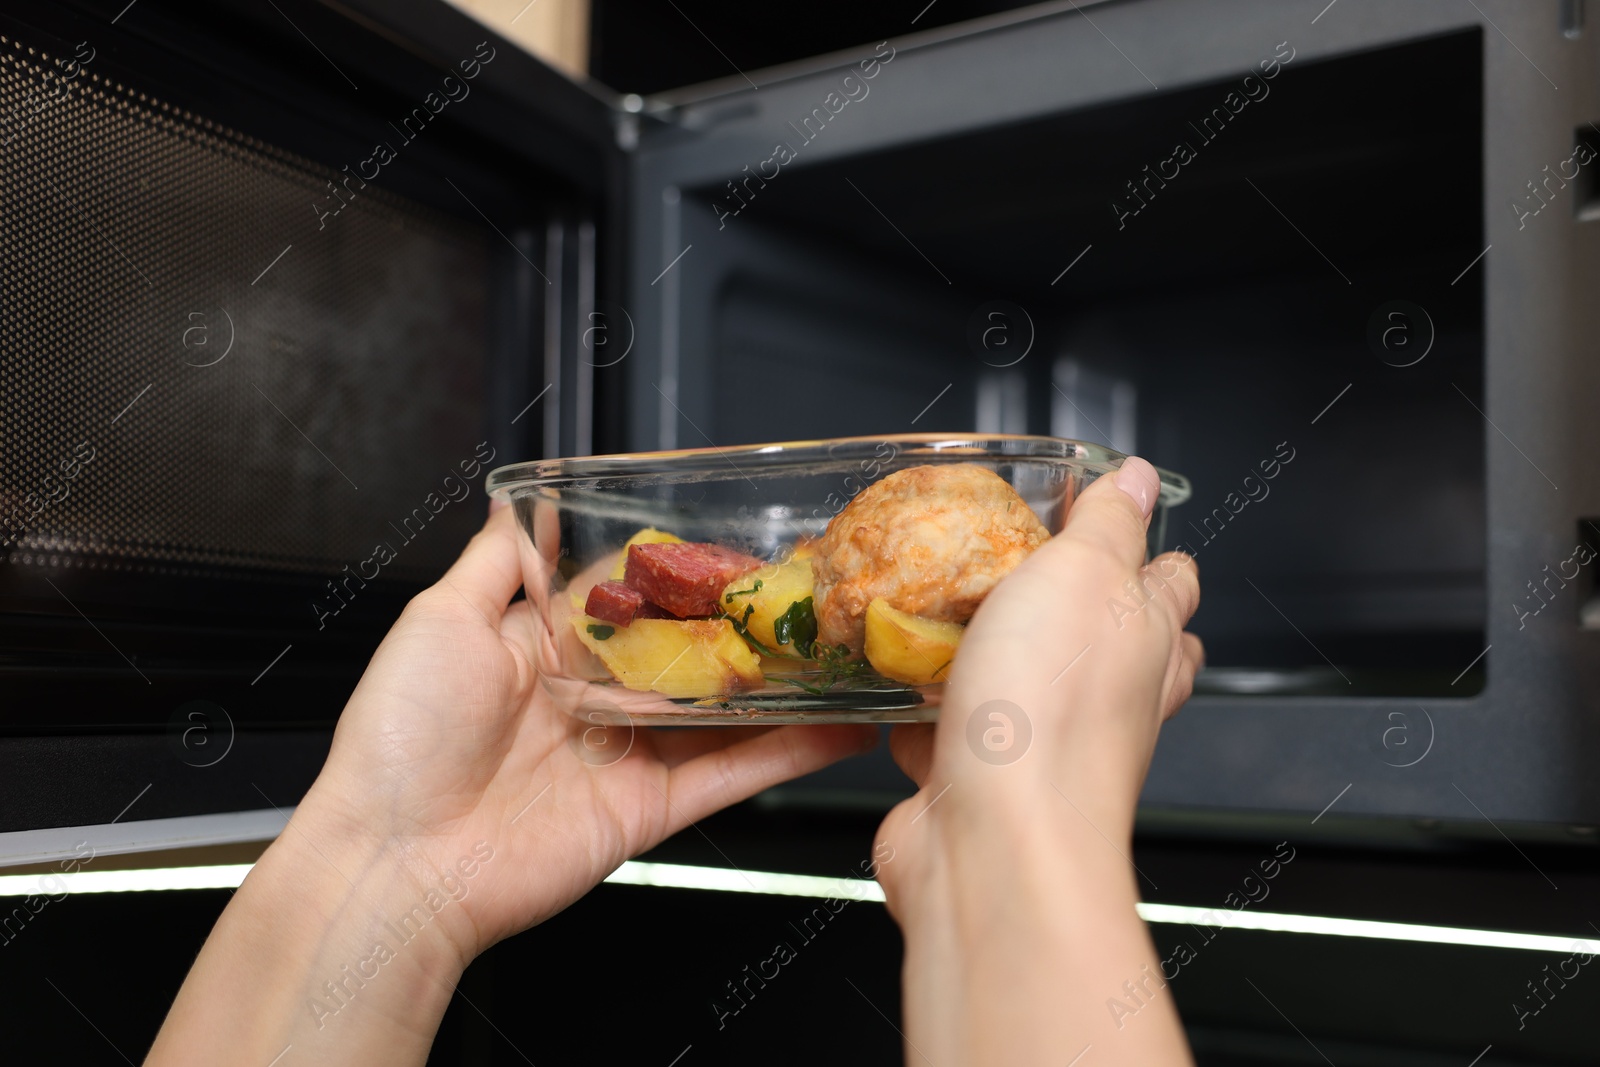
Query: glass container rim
(504,483)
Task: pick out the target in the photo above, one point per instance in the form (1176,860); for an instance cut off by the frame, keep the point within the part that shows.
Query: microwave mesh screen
(217,354)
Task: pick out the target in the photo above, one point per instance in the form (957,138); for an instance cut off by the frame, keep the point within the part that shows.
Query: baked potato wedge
(674,657)
(908,648)
(772,606)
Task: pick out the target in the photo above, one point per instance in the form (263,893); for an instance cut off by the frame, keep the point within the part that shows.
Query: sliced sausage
(614,602)
(686,579)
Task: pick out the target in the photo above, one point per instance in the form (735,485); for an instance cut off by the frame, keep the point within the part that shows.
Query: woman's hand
(457,807)
(450,740)
(1011,875)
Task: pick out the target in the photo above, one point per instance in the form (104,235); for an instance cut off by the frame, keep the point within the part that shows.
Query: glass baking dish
(702,587)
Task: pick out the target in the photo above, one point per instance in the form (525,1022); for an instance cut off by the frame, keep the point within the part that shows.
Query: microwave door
(312,348)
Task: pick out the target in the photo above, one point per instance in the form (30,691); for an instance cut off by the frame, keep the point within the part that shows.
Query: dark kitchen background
(1420,736)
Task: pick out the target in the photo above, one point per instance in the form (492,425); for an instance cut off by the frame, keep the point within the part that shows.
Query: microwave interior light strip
(774,883)
(1279,922)
(51,884)
(770,883)
(679,876)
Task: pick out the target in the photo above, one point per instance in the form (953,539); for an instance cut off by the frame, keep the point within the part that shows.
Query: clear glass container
(756,657)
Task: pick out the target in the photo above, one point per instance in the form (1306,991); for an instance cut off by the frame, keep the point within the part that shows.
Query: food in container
(798,582)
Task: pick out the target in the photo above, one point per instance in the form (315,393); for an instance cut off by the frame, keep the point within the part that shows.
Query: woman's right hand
(1010,873)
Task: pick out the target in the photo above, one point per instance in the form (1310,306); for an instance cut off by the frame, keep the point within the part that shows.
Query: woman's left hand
(450,747)
(459,805)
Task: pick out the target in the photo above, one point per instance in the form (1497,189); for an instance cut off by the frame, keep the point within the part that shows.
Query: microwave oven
(284,281)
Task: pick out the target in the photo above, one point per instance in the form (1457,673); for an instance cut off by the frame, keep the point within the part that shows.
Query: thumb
(1113,514)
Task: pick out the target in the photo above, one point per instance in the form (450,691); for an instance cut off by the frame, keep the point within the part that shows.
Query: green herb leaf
(728,597)
(742,628)
(600,630)
(836,666)
(797,626)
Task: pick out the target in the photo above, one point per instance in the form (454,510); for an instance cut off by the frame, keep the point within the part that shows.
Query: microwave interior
(1041,277)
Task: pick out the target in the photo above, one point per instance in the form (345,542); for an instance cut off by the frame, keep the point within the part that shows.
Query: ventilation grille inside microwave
(198,371)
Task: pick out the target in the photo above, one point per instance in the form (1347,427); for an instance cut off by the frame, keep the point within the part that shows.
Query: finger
(488,573)
(1177,576)
(517,629)
(1113,513)
(743,764)
(911,745)
(679,745)
(1182,686)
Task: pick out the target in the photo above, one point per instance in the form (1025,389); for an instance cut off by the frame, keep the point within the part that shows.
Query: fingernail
(496,504)
(1139,480)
